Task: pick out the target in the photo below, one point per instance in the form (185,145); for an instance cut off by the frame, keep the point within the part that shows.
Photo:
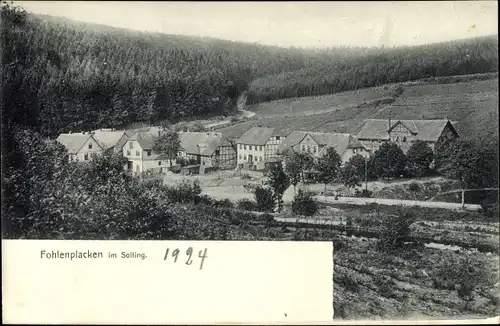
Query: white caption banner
(63,282)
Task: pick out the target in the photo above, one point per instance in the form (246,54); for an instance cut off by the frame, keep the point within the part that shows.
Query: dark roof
(336,140)
(203,143)
(74,141)
(108,138)
(426,130)
(256,136)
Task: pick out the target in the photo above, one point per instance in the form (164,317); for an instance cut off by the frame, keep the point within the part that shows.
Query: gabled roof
(336,140)
(108,138)
(256,136)
(74,141)
(203,143)
(426,130)
(145,139)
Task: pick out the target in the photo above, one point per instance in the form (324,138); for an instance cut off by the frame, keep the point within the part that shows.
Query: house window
(90,146)
(260,158)
(240,146)
(128,152)
(397,138)
(303,148)
(315,149)
(130,145)
(217,152)
(245,157)
(159,162)
(261,148)
(250,147)
(137,153)
(308,149)
(148,152)
(404,139)
(244,147)
(277,137)
(86,157)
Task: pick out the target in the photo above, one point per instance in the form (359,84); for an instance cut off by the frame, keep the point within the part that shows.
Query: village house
(317,143)
(207,149)
(111,139)
(405,132)
(259,146)
(138,150)
(80,146)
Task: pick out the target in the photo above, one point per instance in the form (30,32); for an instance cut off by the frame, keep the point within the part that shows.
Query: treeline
(378,67)
(79,76)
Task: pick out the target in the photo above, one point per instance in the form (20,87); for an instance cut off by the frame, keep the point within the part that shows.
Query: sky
(300,24)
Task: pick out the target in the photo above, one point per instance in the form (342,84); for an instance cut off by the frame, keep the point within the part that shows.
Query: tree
(279,181)
(168,143)
(358,162)
(304,204)
(349,176)
(264,199)
(306,162)
(389,161)
(293,167)
(473,164)
(328,166)
(419,158)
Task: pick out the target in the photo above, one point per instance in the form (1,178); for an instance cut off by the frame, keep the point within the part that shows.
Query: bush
(246,176)
(304,204)
(185,192)
(363,193)
(247,205)
(461,274)
(396,229)
(414,187)
(264,199)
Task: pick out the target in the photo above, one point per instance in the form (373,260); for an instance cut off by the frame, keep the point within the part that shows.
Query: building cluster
(255,149)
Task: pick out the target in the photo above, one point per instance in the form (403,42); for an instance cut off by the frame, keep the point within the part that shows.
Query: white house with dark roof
(138,150)
(405,132)
(209,149)
(80,146)
(259,145)
(317,143)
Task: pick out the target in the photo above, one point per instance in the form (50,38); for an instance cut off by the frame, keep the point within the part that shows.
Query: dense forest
(73,76)
(382,66)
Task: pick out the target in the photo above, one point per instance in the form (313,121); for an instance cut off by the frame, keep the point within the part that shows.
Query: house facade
(258,146)
(317,144)
(81,147)
(207,149)
(138,150)
(404,132)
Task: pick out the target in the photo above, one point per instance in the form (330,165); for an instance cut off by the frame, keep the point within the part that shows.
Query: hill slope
(473,103)
(60,75)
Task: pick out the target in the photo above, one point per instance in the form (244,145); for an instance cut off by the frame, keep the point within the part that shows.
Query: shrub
(363,193)
(461,274)
(246,176)
(185,192)
(264,199)
(414,187)
(304,204)
(247,205)
(395,229)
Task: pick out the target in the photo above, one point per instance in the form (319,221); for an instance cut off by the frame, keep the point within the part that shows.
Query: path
(395,202)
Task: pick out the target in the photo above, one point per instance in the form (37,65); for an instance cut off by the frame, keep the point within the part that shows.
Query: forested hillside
(79,76)
(61,75)
(384,66)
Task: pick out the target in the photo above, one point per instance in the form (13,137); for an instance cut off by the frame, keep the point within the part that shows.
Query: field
(428,277)
(471,103)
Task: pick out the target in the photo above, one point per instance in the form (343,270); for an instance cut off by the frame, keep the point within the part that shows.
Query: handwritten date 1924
(202,254)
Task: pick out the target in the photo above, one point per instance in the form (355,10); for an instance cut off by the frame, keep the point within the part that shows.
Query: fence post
(463,198)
